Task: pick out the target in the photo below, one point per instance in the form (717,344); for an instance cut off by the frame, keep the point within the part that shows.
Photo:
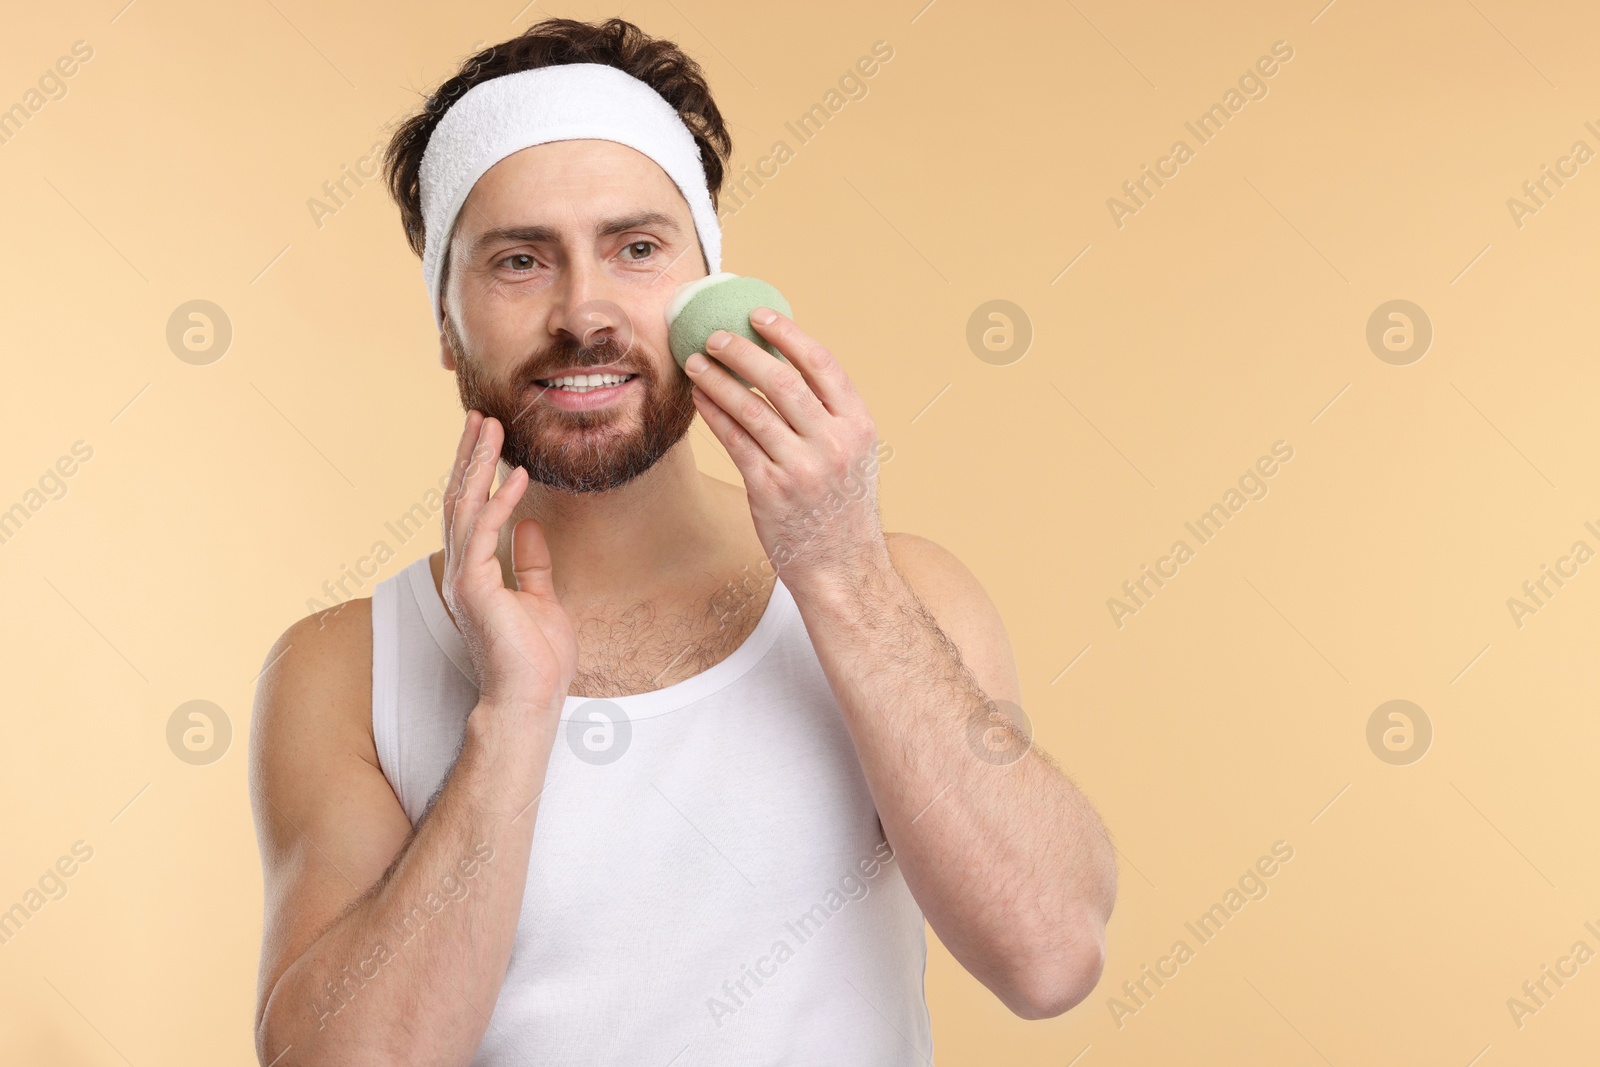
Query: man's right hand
(344,864)
(521,641)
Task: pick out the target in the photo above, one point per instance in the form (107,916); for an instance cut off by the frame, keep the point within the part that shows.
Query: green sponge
(719,302)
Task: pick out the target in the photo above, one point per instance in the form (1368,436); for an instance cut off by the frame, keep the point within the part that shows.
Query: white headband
(566,102)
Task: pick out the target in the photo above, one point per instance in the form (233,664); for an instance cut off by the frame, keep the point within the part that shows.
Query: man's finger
(469,440)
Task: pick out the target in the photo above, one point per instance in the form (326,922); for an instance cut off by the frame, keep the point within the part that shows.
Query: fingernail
(763,316)
(718,339)
(696,363)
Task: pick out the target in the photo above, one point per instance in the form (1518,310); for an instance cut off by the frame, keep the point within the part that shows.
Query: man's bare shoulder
(962,608)
(317,682)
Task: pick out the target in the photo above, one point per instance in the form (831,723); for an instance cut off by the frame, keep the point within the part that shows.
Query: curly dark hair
(657,62)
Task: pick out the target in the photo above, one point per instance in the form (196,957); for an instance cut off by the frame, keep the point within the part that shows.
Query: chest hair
(643,648)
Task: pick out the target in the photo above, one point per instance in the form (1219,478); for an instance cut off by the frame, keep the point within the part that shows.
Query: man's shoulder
(333,645)
(938,576)
(330,637)
(932,570)
(962,608)
(317,677)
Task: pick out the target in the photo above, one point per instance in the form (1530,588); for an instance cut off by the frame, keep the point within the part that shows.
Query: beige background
(1229,313)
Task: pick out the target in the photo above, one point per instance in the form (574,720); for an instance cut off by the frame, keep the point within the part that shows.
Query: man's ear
(447,354)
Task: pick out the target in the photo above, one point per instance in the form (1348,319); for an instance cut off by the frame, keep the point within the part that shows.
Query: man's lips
(565,372)
(587,399)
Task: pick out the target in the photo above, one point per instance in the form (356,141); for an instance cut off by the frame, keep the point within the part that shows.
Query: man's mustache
(543,365)
(578,355)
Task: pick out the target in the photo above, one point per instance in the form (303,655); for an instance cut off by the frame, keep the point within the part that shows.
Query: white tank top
(709,881)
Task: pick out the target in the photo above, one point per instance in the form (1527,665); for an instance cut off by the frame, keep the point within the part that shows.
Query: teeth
(583,383)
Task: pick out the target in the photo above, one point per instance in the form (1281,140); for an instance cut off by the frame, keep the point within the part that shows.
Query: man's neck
(668,528)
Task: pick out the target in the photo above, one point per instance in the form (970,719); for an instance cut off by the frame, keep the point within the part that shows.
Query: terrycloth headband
(567,102)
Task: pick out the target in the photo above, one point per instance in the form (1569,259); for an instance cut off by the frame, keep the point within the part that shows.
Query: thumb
(530,559)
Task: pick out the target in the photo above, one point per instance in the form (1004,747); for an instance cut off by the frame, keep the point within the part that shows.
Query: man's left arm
(1006,858)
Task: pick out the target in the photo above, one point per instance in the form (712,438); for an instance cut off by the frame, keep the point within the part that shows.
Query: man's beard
(578,451)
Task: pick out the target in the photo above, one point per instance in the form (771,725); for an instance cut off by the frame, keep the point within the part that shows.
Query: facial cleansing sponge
(719,301)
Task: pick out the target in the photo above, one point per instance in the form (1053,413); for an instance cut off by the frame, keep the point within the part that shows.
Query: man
(643,767)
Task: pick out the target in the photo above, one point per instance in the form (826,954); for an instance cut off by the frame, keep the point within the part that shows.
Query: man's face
(562,263)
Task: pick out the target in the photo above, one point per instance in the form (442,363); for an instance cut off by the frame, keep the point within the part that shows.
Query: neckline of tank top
(779,609)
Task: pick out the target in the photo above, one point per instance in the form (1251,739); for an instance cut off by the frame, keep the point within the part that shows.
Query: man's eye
(642,244)
(519,261)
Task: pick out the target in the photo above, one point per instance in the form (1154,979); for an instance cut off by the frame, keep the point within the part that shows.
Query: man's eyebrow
(604,228)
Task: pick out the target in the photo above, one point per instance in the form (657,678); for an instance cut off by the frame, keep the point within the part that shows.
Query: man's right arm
(382,944)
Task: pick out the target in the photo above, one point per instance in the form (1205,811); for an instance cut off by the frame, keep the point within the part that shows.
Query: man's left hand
(808,451)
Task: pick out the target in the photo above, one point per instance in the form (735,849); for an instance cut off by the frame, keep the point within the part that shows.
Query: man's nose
(586,312)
